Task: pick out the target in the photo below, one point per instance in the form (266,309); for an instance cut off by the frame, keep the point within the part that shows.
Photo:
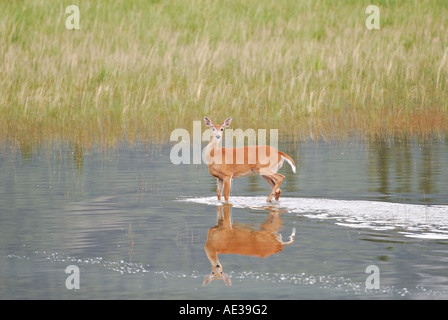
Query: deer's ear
(226,279)
(207,280)
(208,122)
(227,122)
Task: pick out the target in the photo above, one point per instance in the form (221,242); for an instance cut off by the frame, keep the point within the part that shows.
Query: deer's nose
(218,136)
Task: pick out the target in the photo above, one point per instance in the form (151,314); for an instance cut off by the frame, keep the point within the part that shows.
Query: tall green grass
(139,69)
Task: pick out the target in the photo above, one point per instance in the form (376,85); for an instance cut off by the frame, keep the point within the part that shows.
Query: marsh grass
(138,69)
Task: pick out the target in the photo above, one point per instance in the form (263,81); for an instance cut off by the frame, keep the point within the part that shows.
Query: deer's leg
(278,178)
(227,186)
(278,193)
(219,216)
(272,184)
(220,184)
(269,180)
(227,221)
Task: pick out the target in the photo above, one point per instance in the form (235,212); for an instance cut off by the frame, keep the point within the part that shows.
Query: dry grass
(139,69)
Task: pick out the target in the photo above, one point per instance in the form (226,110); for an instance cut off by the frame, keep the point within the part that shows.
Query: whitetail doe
(237,238)
(231,163)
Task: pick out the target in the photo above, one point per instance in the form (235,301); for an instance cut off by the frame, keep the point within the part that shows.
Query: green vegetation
(139,69)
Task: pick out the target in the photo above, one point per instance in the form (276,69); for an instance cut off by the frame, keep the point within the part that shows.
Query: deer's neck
(211,149)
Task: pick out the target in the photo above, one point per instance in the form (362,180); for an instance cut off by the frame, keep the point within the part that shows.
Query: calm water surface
(136,225)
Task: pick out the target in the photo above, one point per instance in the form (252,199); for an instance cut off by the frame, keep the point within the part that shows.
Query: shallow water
(136,225)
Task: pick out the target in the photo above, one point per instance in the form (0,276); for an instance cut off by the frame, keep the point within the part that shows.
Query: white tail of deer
(235,238)
(231,163)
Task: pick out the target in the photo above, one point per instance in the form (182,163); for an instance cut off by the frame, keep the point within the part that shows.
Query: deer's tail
(289,160)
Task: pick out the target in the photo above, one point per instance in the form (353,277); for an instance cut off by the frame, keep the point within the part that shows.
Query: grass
(136,70)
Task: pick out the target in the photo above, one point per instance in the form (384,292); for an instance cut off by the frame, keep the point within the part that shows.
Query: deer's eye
(213,129)
(222,129)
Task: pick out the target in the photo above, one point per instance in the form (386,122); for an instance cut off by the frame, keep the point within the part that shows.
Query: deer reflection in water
(243,239)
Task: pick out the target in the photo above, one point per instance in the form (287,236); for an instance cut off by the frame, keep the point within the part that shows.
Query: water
(136,226)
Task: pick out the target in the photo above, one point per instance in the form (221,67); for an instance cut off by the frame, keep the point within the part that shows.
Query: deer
(232,163)
(237,238)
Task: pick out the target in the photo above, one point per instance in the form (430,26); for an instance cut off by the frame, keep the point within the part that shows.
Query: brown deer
(231,163)
(236,238)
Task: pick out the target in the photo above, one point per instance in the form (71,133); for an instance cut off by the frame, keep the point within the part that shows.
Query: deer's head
(217,130)
(217,274)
